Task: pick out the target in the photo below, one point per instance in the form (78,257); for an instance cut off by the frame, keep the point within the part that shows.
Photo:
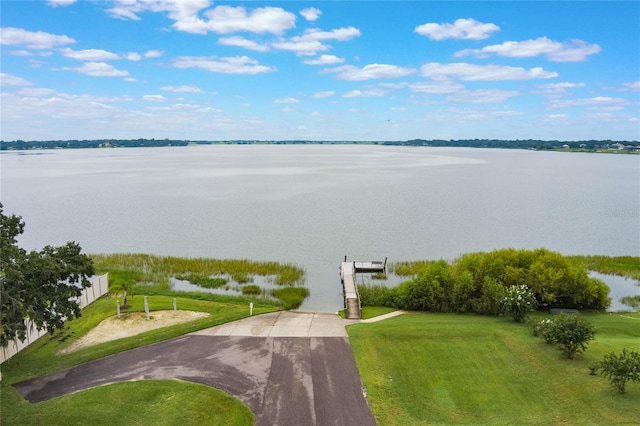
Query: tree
(620,369)
(571,332)
(122,286)
(41,285)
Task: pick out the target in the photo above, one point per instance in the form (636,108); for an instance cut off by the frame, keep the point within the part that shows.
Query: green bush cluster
(478,282)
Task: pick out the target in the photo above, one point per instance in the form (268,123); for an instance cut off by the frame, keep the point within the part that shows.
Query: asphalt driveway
(289,368)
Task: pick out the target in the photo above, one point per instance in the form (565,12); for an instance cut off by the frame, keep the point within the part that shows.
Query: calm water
(312,205)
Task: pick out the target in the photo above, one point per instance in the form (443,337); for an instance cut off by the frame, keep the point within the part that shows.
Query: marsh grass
(153,273)
(292,297)
(287,274)
(626,266)
(203,281)
(631,301)
(251,289)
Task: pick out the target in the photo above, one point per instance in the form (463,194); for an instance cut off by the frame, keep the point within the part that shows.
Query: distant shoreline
(596,146)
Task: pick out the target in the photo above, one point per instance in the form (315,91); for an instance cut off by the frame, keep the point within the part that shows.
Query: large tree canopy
(40,285)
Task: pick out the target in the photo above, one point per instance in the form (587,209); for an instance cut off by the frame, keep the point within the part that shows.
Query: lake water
(313,204)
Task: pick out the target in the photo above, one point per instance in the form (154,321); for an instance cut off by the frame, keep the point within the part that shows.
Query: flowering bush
(518,302)
(544,329)
(571,332)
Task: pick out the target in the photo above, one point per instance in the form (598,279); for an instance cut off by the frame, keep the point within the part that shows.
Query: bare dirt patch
(130,324)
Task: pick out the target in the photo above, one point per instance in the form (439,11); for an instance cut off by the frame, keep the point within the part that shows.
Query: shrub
(571,332)
(543,329)
(620,369)
(377,295)
(518,302)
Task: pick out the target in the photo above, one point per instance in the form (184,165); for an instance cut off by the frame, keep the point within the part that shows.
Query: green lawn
(424,368)
(42,358)
(149,402)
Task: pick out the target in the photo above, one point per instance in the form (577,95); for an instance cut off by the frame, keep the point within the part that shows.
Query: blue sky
(337,70)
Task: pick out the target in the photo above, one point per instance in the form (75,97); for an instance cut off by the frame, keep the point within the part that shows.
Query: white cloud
(340,34)
(557,89)
(221,19)
(133,56)
(564,85)
(472,72)
(364,94)
(301,47)
(36,92)
(229,65)
(324,60)
(467,29)
(227,19)
(12,80)
(286,101)
(20,53)
(182,89)
(574,51)
(369,72)
(324,94)
(99,69)
(244,43)
(398,108)
(99,55)
(32,40)
(437,87)
(482,96)
(153,53)
(311,42)
(633,86)
(154,98)
(598,101)
(89,54)
(311,13)
(56,3)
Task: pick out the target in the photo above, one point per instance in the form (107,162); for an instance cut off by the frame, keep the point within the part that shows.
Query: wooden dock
(348,271)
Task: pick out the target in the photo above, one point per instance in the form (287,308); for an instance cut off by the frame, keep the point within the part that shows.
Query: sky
(314,70)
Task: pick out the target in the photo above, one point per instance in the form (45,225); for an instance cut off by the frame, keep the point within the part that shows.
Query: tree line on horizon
(537,144)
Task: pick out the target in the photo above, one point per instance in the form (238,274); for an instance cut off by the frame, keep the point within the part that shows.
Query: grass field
(42,358)
(424,368)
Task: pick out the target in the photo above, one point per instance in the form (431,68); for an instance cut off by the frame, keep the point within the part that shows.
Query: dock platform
(348,271)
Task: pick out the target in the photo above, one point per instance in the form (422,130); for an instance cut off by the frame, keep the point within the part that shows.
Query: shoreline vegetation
(600,146)
(138,273)
(478,282)
(443,360)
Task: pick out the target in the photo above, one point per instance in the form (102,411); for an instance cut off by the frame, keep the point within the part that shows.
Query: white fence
(99,287)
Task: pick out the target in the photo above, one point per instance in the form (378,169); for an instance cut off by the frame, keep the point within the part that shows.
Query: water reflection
(620,287)
(232,288)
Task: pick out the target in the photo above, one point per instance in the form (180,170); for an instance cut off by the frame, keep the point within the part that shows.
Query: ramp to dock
(351,299)
(348,271)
